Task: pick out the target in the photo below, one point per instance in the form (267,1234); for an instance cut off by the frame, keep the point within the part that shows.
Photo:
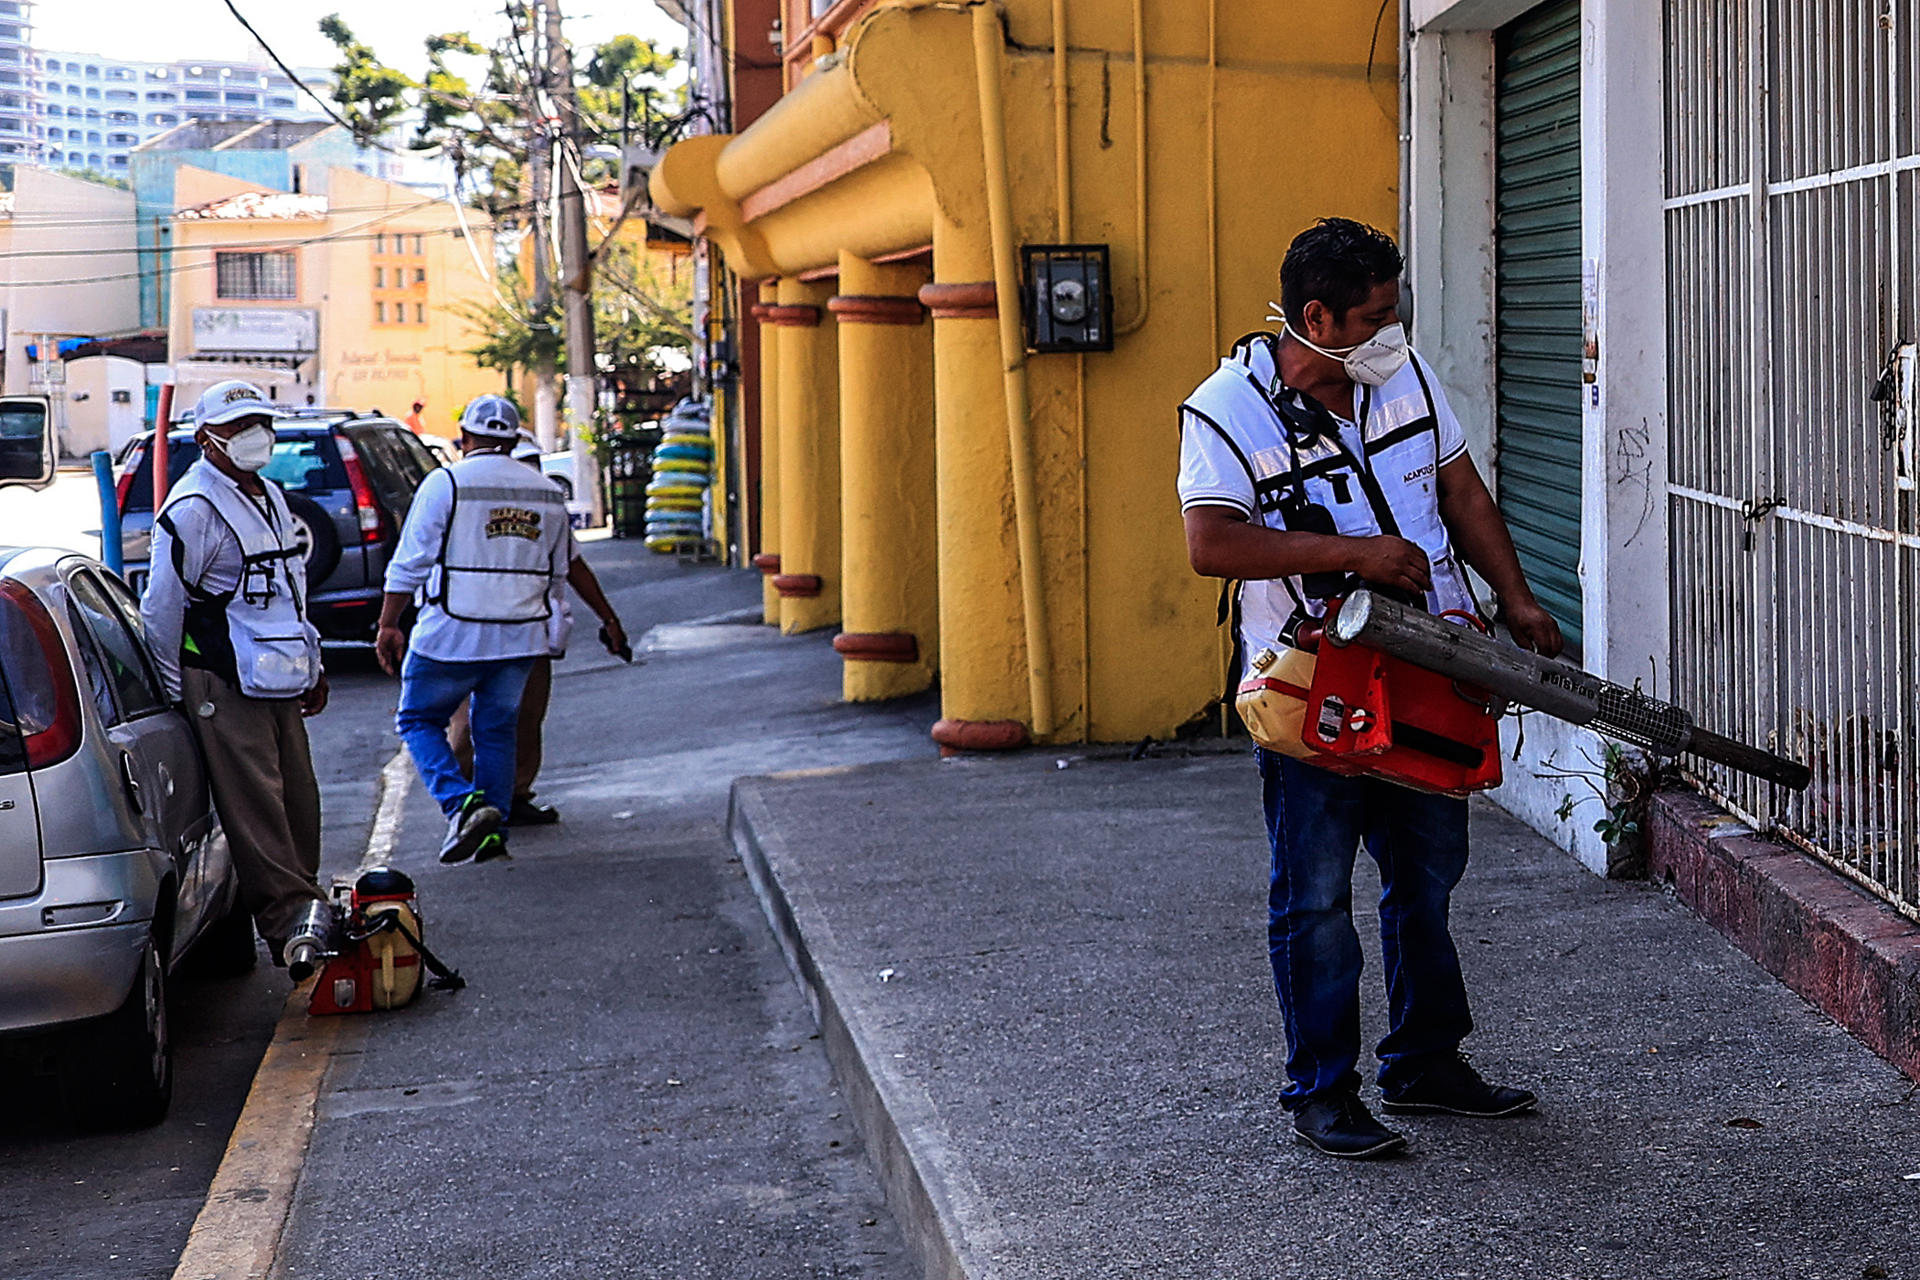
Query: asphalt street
(630,1085)
(108,1206)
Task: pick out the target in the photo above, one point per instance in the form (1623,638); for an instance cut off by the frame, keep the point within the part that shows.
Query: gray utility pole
(576,271)
(546,415)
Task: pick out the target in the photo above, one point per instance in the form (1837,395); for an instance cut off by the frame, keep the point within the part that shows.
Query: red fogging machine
(370,942)
(1395,692)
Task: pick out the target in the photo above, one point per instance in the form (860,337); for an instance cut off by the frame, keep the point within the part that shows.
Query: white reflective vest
(1389,487)
(496,555)
(274,650)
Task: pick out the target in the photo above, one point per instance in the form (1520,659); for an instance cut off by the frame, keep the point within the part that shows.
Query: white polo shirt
(1249,442)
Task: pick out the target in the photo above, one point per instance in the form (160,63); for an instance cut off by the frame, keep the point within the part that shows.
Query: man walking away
(484,546)
(226,610)
(526,811)
(1312,461)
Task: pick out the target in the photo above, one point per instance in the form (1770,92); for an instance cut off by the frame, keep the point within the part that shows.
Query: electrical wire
(345,235)
(370,143)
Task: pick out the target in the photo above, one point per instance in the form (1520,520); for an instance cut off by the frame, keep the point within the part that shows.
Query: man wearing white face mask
(226,610)
(1314,460)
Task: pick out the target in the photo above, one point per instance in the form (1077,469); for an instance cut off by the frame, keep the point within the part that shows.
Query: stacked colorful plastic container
(677,494)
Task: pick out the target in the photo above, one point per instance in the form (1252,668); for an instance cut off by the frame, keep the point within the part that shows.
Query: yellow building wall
(1261,116)
(364,363)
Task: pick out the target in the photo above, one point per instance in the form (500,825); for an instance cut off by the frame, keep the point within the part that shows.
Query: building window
(254,275)
(379,313)
(417,248)
(202,95)
(419,275)
(419,313)
(380,242)
(379,277)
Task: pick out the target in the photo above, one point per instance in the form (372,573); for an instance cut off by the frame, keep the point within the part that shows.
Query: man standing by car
(226,609)
(485,546)
(1311,461)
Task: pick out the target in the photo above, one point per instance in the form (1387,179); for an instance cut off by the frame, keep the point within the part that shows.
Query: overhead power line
(337,118)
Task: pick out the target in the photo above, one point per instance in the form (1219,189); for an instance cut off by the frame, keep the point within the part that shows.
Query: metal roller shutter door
(1537,312)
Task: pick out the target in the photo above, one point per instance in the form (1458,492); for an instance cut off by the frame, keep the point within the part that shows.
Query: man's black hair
(1336,261)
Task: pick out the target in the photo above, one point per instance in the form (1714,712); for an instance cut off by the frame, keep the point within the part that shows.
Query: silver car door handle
(133,784)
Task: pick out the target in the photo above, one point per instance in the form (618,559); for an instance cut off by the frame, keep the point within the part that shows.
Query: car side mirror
(26,442)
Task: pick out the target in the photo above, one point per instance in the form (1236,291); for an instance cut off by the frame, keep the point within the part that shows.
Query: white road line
(237,1234)
(396,779)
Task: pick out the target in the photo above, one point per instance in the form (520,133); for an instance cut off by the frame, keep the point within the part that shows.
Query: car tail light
(46,704)
(125,485)
(370,518)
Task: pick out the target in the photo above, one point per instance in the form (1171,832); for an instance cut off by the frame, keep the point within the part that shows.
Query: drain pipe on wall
(987,52)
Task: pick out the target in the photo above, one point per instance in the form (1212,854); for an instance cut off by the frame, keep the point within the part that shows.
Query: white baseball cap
(225,401)
(525,451)
(491,416)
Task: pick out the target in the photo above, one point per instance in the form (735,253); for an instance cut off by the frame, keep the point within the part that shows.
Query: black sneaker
(1340,1125)
(493,847)
(473,822)
(1450,1084)
(527,812)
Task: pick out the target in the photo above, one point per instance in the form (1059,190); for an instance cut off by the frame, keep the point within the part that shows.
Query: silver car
(113,865)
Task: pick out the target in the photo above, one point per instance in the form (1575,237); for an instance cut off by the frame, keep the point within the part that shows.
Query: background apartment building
(19,84)
(93,111)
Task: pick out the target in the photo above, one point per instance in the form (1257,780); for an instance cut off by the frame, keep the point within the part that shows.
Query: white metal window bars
(1793,232)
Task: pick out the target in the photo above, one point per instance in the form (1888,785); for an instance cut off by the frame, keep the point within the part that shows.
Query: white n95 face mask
(1373,362)
(249,450)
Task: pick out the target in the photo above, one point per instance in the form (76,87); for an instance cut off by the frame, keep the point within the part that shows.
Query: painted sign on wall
(288,330)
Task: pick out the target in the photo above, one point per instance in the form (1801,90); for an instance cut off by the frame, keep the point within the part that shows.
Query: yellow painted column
(890,596)
(809,580)
(983,658)
(768,560)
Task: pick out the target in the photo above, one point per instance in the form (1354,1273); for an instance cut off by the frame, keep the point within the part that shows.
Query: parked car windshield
(302,463)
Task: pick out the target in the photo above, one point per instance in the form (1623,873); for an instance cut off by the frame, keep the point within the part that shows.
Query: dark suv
(349,483)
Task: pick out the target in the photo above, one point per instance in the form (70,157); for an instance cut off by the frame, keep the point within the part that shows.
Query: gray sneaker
(471,823)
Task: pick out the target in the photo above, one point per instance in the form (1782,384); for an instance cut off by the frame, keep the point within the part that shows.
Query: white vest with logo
(497,553)
(276,651)
(1391,487)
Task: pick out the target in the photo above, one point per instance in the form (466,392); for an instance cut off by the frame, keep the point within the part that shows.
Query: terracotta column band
(979,735)
(890,646)
(961,301)
(797,586)
(875,309)
(767,562)
(796,316)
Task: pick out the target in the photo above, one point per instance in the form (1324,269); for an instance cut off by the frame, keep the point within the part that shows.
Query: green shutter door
(1537,300)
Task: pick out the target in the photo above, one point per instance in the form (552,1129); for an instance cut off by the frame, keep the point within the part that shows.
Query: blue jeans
(1316,820)
(429,692)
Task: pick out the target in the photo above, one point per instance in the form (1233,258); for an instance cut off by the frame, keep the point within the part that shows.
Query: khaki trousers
(533,714)
(261,771)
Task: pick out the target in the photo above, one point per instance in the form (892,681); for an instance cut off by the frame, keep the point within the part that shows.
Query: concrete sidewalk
(1046,991)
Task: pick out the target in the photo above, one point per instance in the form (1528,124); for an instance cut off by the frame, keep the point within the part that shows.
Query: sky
(166,30)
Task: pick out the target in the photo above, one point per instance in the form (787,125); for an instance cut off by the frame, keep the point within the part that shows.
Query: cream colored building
(356,299)
(67,270)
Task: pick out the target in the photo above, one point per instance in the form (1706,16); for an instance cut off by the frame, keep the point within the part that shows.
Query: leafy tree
(474,102)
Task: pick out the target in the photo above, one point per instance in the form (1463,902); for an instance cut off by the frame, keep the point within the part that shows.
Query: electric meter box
(1069,297)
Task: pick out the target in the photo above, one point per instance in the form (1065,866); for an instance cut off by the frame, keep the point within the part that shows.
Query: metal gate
(1793,233)
(1537,302)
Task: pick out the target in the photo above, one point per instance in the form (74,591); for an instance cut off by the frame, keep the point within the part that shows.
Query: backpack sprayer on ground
(1399,693)
(369,940)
